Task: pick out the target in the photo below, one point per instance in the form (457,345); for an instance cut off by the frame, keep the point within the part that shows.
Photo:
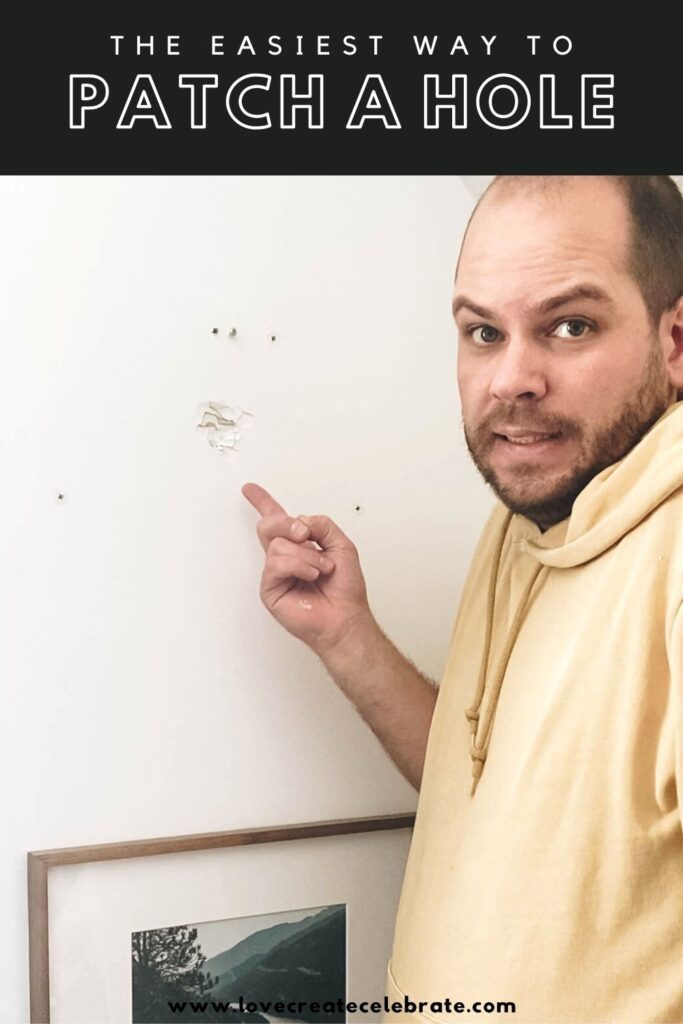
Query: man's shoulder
(488,546)
(662,527)
(495,522)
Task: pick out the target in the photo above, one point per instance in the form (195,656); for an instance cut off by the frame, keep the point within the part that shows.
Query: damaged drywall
(223,423)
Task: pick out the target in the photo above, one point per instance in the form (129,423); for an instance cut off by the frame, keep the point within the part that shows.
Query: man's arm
(391,694)
(313,585)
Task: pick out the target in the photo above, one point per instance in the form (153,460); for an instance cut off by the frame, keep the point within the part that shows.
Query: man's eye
(573,328)
(484,334)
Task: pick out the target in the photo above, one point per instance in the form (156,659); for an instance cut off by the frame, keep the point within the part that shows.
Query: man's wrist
(353,646)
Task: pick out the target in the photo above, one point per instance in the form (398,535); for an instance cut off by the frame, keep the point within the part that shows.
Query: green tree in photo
(167,964)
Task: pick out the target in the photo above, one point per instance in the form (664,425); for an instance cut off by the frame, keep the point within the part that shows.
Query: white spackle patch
(223,423)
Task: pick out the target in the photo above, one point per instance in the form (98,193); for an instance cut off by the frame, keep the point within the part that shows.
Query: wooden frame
(40,862)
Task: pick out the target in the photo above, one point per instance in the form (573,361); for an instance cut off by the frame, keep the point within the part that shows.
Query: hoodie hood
(613,503)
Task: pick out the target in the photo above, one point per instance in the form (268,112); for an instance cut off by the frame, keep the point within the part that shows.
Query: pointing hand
(312,582)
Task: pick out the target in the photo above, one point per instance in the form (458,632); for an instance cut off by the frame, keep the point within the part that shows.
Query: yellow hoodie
(546,866)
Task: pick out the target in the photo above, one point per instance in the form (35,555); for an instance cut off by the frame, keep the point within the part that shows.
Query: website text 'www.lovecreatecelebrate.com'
(289,1009)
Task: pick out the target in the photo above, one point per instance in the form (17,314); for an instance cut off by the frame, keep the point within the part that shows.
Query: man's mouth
(526,437)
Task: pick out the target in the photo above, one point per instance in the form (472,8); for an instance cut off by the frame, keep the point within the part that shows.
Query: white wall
(147,692)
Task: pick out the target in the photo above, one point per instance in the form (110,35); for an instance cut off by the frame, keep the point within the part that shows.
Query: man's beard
(605,446)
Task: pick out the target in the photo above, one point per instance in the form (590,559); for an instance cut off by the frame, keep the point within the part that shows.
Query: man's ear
(672,324)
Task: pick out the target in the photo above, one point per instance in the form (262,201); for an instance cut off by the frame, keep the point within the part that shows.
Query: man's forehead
(523,247)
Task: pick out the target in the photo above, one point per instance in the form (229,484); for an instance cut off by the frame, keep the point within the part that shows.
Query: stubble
(598,448)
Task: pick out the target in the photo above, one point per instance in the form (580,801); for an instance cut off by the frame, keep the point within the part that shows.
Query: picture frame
(85,903)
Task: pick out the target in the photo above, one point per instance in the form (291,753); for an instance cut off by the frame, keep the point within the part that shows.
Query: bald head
(648,207)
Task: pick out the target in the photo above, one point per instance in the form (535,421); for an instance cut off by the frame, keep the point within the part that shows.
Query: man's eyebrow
(581,291)
(461,301)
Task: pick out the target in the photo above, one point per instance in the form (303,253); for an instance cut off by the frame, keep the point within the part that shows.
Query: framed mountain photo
(288,924)
(291,965)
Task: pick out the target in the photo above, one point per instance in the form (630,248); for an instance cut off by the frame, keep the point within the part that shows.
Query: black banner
(217,88)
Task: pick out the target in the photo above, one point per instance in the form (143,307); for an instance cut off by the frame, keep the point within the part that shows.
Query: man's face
(559,369)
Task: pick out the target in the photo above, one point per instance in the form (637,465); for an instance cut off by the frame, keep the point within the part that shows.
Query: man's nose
(519,371)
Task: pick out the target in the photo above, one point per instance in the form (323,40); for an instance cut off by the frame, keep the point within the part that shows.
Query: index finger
(263,502)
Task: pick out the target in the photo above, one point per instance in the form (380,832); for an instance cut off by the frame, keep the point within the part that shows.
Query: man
(546,866)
